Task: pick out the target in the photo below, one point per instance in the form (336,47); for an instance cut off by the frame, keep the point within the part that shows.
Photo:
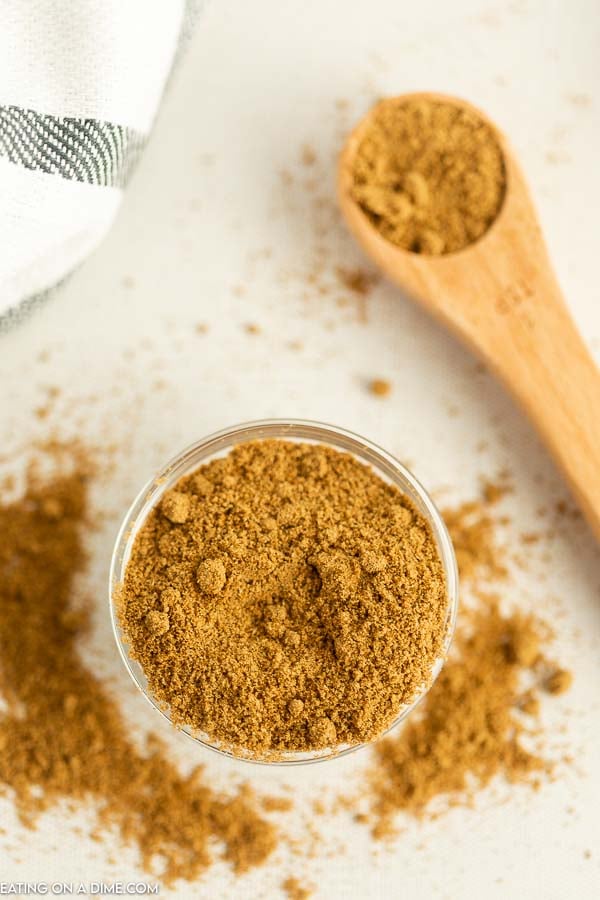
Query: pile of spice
(479,720)
(62,736)
(429,174)
(285,598)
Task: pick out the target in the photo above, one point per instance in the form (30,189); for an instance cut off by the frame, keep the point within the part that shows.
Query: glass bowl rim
(331,435)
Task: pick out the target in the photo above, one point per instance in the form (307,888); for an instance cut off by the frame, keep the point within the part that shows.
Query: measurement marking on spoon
(513,300)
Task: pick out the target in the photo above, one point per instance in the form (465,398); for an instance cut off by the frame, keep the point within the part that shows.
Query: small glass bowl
(219,444)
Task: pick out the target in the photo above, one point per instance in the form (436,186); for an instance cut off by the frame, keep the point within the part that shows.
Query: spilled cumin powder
(429,174)
(479,720)
(473,527)
(62,737)
(285,598)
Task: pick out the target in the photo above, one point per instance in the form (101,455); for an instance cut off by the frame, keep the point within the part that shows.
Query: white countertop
(219,227)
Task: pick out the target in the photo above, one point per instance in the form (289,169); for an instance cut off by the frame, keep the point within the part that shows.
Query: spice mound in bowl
(282,598)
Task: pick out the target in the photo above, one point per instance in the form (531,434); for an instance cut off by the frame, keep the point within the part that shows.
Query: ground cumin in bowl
(283,591)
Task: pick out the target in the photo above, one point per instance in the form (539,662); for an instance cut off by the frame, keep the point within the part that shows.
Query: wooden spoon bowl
(500,295)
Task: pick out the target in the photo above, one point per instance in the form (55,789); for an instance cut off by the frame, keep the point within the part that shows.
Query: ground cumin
(470,728)
(473,529)
(359,281)
(429,174)
(558,681)
(479,718)
(295,890)
(285,598)
(380,387)
(61,735)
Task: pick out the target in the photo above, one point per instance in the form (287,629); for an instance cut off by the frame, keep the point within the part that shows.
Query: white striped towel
(80,84)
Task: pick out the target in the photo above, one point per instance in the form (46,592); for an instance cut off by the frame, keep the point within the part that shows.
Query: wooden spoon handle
(501,297)
(546,365)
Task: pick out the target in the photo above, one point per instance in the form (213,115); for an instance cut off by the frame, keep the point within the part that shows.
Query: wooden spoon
(501,296)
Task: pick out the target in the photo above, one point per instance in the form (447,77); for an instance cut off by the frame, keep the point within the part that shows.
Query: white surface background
(208,210)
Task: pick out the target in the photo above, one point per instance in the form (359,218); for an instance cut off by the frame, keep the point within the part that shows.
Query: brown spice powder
(380,387)
(473,529)
(469,729)
(285,598)
(62,736)
(429,174)
(477,720)
(558,681)
(295,890)
(359,281)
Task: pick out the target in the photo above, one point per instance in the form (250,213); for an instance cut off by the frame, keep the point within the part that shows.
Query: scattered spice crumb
(583,101)
(252,328)
(472,527)
(566,509)
(359,281)
(308,156)
(276,804)
(380,387)
(295,890)
(318,808)
(494,491)
(557,157)
(530,704)
(558,681)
